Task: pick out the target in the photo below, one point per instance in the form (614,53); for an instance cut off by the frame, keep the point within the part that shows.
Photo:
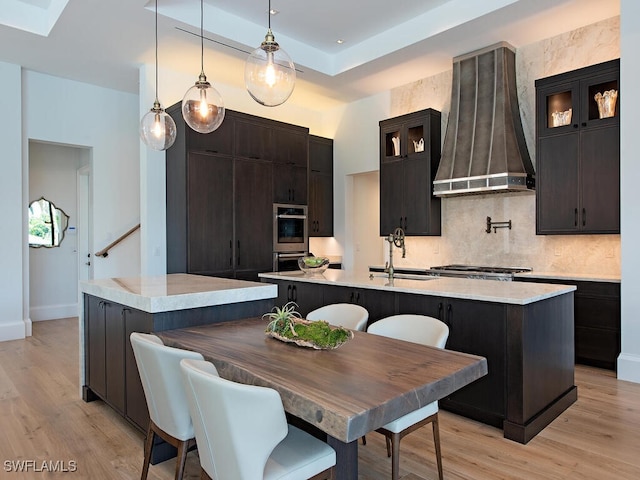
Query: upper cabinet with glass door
(569,102)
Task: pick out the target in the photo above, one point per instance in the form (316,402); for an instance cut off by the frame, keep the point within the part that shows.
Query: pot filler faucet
(396,238)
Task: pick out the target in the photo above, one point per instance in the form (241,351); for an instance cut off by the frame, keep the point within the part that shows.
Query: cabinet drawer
(597,312)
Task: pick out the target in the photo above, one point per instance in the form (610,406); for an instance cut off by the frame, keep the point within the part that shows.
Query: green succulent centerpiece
(287,325)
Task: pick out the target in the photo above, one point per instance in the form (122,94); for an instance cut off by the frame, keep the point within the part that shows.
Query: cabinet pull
(440,311)
(584,124)
(575,125)
(351,298)
(289,293)
(575,217)
(584,217)
(294,289)
(449,321)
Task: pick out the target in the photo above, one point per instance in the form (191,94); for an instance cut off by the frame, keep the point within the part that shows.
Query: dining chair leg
(395,456)
(148,446)
(436,442)
(388,440)
(181,460)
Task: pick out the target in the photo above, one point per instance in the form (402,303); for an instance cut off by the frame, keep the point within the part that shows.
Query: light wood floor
(43,418)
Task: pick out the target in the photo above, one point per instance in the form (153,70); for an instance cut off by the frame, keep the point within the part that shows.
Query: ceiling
(386,44)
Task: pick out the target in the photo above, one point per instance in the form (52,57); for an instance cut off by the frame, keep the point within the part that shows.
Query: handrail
(105,251)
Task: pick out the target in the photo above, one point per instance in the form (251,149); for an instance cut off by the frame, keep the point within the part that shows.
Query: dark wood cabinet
(477,328)
(291,157)
(220,191)
(529,349)
(253,240)
(306,296)
(320,186)
(578,152)
(110,366)
(409,158)
(597,321)
(210,220)
(109,355)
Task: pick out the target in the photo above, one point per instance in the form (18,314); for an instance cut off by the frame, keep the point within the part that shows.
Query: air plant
(282,319)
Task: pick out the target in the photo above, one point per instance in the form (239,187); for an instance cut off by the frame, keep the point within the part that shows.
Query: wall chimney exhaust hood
(484,147)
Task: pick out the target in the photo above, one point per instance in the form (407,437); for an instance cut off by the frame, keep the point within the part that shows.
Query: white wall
(106,121)
(629,360)
(13,320)
(50,109)
(53,272)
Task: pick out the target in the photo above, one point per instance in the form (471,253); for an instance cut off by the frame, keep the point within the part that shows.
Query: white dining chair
(427,331)
(348,315)
(242,431)
(159,368)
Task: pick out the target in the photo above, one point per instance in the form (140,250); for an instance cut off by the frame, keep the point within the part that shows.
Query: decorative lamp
(269,73)
(202,105)
(157,128)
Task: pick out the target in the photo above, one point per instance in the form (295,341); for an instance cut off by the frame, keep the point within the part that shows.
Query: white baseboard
(52,312)
(629,367)
(12,330)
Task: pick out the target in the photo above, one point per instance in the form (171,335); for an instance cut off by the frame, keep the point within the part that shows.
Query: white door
(85,258)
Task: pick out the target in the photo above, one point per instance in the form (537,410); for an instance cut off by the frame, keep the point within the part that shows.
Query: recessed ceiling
(386,44)
(34,16)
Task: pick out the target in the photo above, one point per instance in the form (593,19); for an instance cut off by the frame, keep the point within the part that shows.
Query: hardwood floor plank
(43,418)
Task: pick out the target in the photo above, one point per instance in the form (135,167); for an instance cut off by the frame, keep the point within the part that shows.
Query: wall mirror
(47,224)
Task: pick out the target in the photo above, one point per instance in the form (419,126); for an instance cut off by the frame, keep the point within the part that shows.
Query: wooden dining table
(344,393)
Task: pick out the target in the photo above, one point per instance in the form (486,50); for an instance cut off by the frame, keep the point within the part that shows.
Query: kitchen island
(524,330)
(115,307)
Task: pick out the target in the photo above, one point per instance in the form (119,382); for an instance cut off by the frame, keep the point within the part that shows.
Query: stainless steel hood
(484,147)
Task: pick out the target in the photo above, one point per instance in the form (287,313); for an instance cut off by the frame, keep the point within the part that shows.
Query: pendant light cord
(269,14)
(201,38)
(157,52)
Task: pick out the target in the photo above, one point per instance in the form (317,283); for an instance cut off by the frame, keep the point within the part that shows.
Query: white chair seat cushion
(409,419)
(299,455)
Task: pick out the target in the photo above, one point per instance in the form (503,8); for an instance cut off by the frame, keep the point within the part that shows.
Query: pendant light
(202,105)
(269,73)
(157,128)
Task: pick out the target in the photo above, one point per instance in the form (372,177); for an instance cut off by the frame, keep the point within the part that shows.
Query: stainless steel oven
(286,261)
(290,233)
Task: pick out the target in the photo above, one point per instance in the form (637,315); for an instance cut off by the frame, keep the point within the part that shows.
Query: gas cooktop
(476,271)
(479,268)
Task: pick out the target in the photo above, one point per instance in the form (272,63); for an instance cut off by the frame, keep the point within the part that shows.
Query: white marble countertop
(583,277)
(177,291)
(518,293)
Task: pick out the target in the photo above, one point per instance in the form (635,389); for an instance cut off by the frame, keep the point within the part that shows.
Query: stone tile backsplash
(464,239)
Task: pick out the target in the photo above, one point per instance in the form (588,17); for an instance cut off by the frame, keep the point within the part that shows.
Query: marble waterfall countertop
(518,293)
(177,291)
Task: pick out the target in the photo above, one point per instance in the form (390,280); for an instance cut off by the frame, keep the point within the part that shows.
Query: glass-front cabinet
(578,151)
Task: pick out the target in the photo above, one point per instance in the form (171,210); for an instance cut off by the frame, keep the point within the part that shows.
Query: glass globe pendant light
(202,105)
(157,128)
(269,73)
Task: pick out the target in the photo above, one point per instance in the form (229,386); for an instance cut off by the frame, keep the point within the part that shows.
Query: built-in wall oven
(290,236)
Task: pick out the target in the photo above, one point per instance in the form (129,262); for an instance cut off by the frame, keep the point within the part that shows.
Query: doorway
(53,273)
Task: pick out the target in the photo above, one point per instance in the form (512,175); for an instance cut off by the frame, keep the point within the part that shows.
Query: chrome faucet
(396,238)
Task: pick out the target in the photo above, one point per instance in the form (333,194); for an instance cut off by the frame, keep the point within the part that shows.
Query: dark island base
(524,433)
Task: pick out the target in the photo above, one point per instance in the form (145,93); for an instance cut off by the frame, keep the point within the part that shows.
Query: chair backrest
(412,328)
(237,426)
(348,315)
(159,368)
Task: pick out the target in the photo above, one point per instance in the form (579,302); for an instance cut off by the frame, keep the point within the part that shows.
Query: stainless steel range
(476,271)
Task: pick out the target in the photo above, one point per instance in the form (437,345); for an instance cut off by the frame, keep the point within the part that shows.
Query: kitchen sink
(403,276)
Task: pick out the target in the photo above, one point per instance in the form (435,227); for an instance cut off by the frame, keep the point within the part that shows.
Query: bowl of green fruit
(311,265)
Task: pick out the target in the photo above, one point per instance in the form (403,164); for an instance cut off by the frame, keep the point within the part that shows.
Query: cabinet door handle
(584,217)
(575,217)
(584,124)
(405,223)
(351,298)
(575,125)
(449,317)
(289,293)
(294,289)
(440,311)
(230,253)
